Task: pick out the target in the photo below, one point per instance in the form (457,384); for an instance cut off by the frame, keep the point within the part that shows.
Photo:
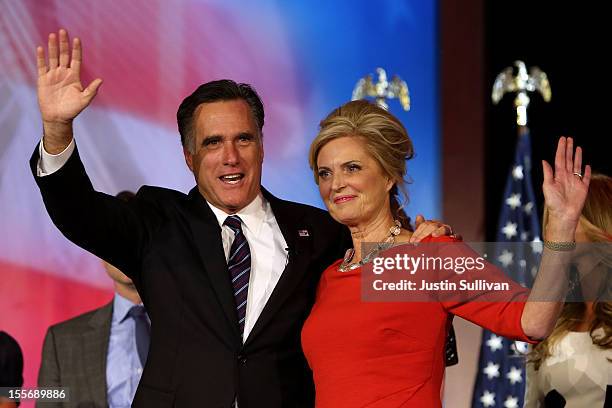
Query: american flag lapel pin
(303,233)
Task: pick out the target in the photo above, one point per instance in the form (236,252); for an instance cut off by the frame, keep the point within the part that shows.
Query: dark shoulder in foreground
(154,193)
(301,211)
(162,200)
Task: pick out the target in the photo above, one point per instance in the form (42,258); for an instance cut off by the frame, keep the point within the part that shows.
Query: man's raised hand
(61,95)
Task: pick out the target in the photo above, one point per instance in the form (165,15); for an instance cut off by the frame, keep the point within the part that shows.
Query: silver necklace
(346,264)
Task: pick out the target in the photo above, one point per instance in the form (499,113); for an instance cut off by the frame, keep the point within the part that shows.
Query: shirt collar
(121,307)
(252,216)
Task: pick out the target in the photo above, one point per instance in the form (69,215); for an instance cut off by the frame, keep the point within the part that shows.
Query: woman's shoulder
(443,238)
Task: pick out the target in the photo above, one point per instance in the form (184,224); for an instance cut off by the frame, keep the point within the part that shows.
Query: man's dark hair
(125,195)
(215,91)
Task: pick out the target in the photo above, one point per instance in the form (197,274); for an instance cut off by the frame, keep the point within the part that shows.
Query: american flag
(501,375)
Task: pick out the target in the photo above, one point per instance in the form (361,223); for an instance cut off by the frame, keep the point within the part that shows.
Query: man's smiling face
(228,154)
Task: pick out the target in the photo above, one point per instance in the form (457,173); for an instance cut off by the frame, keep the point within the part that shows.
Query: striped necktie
(239,265)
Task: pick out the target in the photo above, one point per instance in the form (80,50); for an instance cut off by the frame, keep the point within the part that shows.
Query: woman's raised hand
(565,190)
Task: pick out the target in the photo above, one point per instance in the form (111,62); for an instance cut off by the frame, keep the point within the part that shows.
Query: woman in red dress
(391,354)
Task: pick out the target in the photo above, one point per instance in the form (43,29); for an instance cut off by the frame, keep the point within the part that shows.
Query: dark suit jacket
(74,356)
(170,244)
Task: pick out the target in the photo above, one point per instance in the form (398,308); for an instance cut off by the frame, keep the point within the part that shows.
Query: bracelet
(560,246)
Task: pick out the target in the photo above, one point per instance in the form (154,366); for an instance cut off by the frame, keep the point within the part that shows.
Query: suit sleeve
(49,372)
(106,226)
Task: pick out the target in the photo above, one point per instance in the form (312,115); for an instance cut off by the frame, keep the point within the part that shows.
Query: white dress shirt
(268,253)
(50,163)
(268,246)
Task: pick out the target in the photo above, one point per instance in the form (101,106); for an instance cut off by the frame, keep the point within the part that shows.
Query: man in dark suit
(99,355)
(227,273)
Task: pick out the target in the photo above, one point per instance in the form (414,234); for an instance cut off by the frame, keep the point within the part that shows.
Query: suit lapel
(300,247)
(95,348)
(207,239)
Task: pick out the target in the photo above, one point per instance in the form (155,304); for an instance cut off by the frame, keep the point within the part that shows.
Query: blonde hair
(596,221)
(385,139)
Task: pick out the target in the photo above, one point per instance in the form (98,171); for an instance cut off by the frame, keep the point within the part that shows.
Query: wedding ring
(578,174)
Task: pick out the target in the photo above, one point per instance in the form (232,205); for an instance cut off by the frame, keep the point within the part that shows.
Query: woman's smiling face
(352,184)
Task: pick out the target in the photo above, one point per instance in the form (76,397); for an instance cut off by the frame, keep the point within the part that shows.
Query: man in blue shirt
(99,355)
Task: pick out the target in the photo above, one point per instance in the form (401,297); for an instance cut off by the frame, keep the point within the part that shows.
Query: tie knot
(137,312)
(234,222)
